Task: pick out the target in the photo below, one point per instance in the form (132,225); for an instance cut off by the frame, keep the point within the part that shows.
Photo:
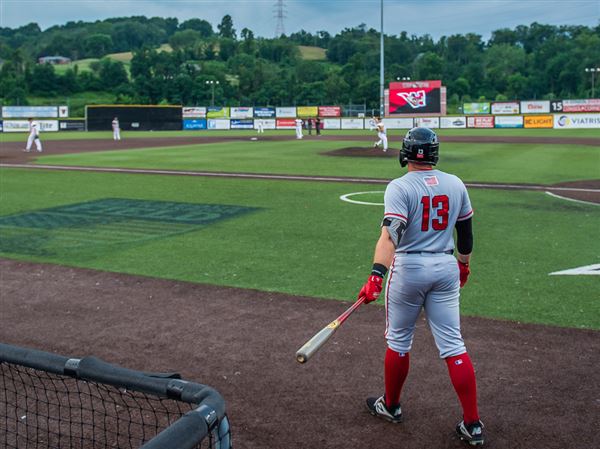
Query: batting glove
(464,272)
(371,289)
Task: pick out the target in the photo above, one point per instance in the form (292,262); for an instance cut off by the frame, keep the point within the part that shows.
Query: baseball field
(218,256)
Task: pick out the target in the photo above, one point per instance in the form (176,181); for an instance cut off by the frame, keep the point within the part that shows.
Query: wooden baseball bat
(321,337)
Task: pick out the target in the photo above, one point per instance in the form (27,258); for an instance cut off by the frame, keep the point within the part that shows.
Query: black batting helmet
(420,145)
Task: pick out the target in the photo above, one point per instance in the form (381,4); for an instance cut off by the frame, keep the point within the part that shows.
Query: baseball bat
(321,337)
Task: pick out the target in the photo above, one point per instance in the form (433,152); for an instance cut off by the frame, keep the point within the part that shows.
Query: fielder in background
(260,127)
(318,126)
(299,128)
(34,136)
(416,245)
(380,127)
(116,129)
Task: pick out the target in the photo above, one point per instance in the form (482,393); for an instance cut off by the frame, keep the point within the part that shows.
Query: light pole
(212,86)
(381,67)
(593,71)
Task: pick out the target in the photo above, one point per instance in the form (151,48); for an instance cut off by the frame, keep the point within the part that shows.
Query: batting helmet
(420,145)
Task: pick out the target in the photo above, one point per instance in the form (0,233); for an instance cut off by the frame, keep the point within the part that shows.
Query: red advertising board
(485,121)
(286,123)
(415,97)
(330,111)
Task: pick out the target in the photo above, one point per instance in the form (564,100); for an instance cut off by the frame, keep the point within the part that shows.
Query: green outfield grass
(303,240)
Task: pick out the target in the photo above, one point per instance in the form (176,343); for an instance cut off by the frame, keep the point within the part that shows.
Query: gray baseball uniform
(424,274)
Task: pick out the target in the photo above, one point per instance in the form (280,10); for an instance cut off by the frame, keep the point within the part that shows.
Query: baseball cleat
(470,433)
(377,407)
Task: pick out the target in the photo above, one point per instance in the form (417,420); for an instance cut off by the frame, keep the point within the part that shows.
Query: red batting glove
(464,272)
(371,289)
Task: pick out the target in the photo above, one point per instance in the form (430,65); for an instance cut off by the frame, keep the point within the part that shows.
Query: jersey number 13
(439,204)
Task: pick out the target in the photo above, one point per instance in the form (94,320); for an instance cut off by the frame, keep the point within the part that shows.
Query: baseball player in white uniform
(299,128)
(34,136)
(260,127)
(116,129)
(416,245)
(380,127)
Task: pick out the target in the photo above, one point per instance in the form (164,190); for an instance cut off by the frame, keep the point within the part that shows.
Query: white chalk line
(572,199)
(347,196)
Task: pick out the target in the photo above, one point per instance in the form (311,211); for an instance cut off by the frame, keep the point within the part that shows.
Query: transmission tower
(279,14)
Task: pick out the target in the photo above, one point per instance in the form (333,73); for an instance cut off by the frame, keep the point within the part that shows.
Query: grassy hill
(312,53)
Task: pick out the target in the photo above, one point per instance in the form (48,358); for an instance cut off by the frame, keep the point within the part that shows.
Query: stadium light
(593,71)
(403,78)
(212,86)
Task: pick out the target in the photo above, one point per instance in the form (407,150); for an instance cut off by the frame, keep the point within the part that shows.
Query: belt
(450,251)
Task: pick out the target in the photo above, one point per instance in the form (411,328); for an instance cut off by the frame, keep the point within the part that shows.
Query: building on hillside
(54,60)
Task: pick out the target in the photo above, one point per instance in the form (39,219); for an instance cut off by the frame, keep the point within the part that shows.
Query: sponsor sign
(217,112)
(590,105)
(242,112)
(505,108)
(331,123)
(398,123)
(29,111)
(245,123)
(415,97)
(216,123)
(264,112)
(1,126)
(307,111)
(330,111)
(538,121)
(286,123)
(453,122)
(509,121)
(427,122)
(476,108)
(353,123)
(480,122)
(71,125)
(267,123)
(285,112)
(193,112)
(194,123)
(20,126)
(63,111)
(535,107)
(567,121)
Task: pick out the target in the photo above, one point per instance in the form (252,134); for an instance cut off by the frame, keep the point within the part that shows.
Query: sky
(417,17)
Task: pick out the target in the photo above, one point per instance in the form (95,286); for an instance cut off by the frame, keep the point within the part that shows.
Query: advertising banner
(307,111)
(331,123)
(267,123)
(480,122)
(505,107)
(217,112)
(415,97)
(330,111)
(453,122)
(245,123)
(509,121)
(242,112)
(22,126)
(564,121)
(29,111)
(194,123)
(428,122)
(264,112)
(285,112)
(535,107)
(63,111)
(353,123)
(286,123)
(71,125)
(193,112)
(538,121)
(476,108)
(215,123)
(1,126)
(590,105)
(398,123)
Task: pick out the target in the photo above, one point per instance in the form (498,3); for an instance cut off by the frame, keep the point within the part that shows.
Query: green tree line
(529,62)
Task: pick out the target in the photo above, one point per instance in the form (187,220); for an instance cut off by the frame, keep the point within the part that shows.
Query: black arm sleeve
(464,234)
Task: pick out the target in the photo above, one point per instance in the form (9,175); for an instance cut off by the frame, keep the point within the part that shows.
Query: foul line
(278,177)
(572,199)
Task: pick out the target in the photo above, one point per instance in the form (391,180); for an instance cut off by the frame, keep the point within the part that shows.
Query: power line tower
(279,14)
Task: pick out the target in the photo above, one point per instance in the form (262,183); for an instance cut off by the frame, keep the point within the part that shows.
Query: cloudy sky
(435,17)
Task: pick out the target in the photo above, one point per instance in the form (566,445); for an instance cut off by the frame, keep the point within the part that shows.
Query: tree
(43,80)
(112,73)
(184,39)
(97,45)
(201,26)
(226,29)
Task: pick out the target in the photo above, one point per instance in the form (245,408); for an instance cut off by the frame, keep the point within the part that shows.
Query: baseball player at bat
(416,247)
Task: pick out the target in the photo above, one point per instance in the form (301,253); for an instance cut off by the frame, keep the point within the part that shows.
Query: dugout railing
(49,401)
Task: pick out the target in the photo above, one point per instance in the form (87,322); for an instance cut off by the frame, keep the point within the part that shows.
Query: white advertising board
(268,123)
(453,122)
(285,112)
(570,121)
(398,123)
(509,121)
(22,126)
(535,107)
(241,112)
(216,123)
(353,123)
(193,112)
(29,111)
(332,123)
(428,122)
(507,107)
(63,111)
